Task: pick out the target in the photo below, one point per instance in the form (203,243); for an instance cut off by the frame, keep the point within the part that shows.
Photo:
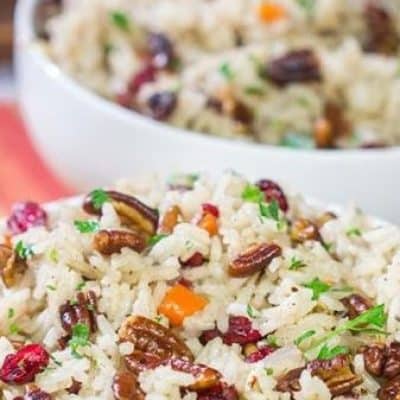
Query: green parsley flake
(120,20)
(270,210)
(24,251)
(269,371)
(272,340)
(308,5)
(80,338)
(98,198)
(14,329)
(86,226)
(51,287)
(253,194)
(304,336)
(226,70)
(296,264)
(253,90)
(10,313)
(327,353)
(53,255)
(80,285)
(353,232)
(318,287)
(251,312)
(156,238)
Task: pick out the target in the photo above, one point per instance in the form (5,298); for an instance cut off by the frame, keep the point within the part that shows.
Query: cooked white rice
(221,46)
(355,254)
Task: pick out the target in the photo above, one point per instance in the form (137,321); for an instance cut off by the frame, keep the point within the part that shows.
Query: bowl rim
(24,42)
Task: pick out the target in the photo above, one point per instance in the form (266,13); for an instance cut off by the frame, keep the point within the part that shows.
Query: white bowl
(89,141)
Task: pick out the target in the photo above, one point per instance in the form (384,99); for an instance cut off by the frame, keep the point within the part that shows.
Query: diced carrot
(209,223)
(180,302)
(271,12)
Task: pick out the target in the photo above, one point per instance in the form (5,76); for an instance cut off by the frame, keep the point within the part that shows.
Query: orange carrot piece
(180,302)
(271,12)
(209,223)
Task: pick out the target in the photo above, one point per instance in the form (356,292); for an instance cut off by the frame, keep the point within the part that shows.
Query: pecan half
(255,259)
(225,103)
(113,241)
(132,212)
(337,374)
(382,36)
(170,220)
(356,305)
(206,377)
(390,390)
(154,344)
(83,311)
(11,265)
(125,386)
(382,360)
(295,66)
(303,229)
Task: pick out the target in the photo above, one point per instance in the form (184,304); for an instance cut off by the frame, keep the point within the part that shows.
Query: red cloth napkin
(23,175)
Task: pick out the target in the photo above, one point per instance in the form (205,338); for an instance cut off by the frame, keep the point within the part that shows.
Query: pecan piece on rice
(132,212)
(153,344)
(253,260)
(356,305)
(108,242)
(125,386)
(303,230)
(382,360)
(11,265)
(390,390)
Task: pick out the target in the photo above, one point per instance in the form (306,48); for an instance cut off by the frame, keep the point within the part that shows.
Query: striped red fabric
(23,175)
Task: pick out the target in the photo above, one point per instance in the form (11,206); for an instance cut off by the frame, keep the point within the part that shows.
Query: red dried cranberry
(37,394)
(161,50)
(272,191)
(162,104)
(219,392)
(145,75)
(241,331)
(295,66)
(260,354)
(195,260)
(24,216)
(210,209)
(209,335)
(21,367)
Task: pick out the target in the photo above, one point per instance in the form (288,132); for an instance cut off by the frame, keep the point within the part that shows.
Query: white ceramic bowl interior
(89,141)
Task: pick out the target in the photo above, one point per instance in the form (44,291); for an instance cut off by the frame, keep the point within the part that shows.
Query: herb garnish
(156,238)
(253,194)
(308,5)
(86,226)
(23,250)
(370,322)
(296,264)
(121,20)
(14,329)
(327,353)
(304,336)
(51,287)
(269,371)
(80,338)
(10,313)
(318,287)
(272,340)
(98,198)
(254,90)
(251,312)
(80,285)
(353,232)
(226,70)
(53,255)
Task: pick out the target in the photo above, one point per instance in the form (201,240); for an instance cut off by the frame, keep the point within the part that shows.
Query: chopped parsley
(353,232)
(10,313)
(272,340)
(304,336)
(270,210)
(23,250)
(251,312)
(253,194)
(327,246)
(59,363)
(158,319)
(371,322)
(86,226)
(120,20)
(80,338)
(269,371)
(318,287)
(80,285)
(51,287)
(226,70)
(14,329)
(308,5)
(253,90)
(327,353)
(98,198)
(53,255)
(156,238)
(296,264)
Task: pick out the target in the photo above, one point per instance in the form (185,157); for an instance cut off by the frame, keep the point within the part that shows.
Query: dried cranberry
(295,66)
(37,394)
(209,335)
(24,216)
(195,260)
(21,367)
(272,191)
(161,50)
(211,209)
(260,354)
(145,75)
(219,392)
(162,104)
(241,331)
